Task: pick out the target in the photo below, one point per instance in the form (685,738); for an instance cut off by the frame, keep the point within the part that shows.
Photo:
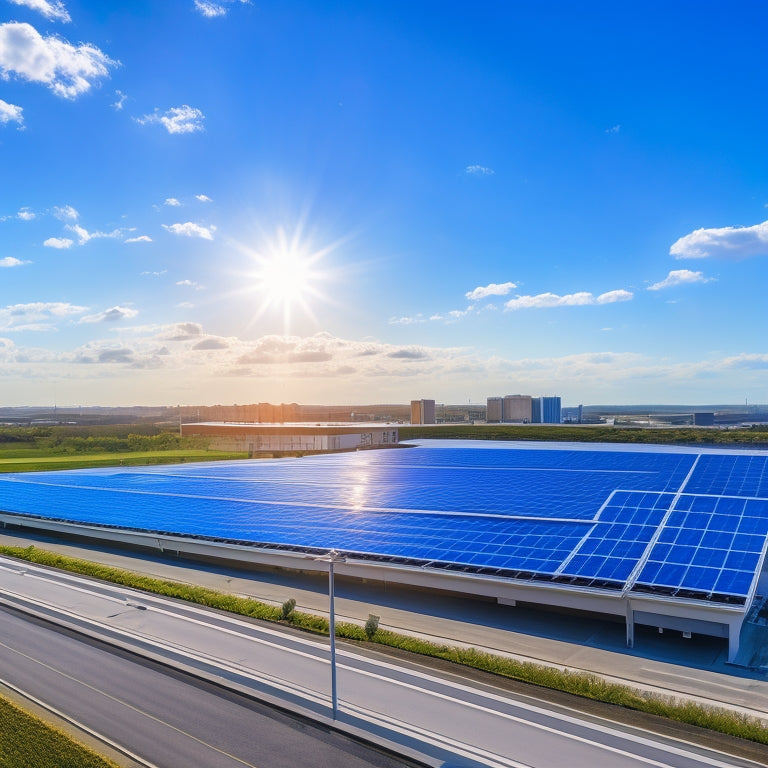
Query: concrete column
(734,631)
(630,625)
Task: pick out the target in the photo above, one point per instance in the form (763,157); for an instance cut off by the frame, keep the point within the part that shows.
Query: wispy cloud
(65,213)
(203,198)
(680,277)
(112,315)
(10,113)
(213,10)
(85,236)
(613,129)
(580,299)
(12,261)
(26,214)
(190,229)
(189,284)
(36,316)
(120,99)
(53,11)
(479,170)
(172,201)
(726,242)
(492,289)
(139,239)
(184,119)
(67,70)
(58,242)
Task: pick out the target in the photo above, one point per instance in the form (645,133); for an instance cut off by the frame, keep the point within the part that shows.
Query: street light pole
(333,554)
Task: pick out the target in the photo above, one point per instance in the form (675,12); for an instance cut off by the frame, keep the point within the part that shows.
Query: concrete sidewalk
(667,664)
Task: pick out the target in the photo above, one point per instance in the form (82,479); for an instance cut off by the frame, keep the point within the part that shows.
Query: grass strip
(577,683)
(28,742)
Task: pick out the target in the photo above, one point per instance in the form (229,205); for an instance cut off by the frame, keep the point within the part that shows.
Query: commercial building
(547,410)
(422,411)
(494,410)
(256,439)
(517,409)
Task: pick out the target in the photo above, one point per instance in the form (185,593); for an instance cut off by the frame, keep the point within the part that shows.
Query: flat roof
(689,523)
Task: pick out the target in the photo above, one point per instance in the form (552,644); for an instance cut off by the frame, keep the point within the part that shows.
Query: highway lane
(167,720)
(406,704)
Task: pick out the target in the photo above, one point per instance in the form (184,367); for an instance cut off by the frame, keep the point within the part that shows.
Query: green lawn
(35,460)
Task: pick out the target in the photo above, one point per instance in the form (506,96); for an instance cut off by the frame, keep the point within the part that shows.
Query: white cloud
(726,242)
(110,315)
(679,277)
(36,316)
(189,284)
(172,201)
(580,299)
(190,229)
(53,11)
(204,198)
(120,100)
(184,119)
(65,213)
(26,214)
(67,70)
(12,261)
(156,273)
(84,235)
(213,10)
(492,289)
(58,242)
(479,170)
(139,239)
(10,113)
(613,129)
(210,10)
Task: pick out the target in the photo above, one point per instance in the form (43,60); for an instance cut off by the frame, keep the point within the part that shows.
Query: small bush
(371,626)
(287,609)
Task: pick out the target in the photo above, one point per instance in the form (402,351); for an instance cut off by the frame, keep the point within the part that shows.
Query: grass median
(577,683)
(28,742)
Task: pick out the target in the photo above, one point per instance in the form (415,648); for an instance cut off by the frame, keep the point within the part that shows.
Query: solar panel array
(668,522)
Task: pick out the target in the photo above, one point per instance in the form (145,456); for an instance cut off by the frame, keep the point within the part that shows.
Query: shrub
(371,626)
(287,609)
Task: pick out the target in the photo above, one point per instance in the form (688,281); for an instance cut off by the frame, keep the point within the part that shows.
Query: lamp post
(332,557)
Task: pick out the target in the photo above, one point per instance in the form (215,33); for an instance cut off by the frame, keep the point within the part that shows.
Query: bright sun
(287,279)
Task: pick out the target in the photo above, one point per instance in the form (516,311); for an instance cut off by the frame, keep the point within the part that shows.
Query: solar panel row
(593,516)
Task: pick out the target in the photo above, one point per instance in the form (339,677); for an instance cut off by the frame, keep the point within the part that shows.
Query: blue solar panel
(622,519)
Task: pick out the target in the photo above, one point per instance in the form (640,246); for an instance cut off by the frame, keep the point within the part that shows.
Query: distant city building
(517,409)
(547,410)
(493,410)
(422,411)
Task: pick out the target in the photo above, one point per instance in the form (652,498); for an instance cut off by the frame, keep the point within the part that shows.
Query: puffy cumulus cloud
(726,242)
(479,170)
(10,113)
(67,70)
(26,214)
(65,213)
(112,315)
(679,277)
(61,243)
(184,119)
(203,198)
(53,11)
(492,289)
(139,239)
(12,261)
(190,229)
(172,201)
(37,316)
(580,299)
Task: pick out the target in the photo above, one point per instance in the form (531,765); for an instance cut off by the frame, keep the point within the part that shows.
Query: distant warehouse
(288,438)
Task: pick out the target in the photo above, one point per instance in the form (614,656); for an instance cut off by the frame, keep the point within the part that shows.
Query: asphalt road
(167,720)
(450,717)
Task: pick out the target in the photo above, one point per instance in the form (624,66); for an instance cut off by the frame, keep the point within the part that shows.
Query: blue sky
(355,202)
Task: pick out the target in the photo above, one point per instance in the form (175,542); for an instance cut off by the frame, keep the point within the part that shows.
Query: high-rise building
(493,410)
(517,408)
(422,411)
(547,410)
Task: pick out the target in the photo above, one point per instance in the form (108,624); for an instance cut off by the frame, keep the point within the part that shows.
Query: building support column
(734,631)
(630,625)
